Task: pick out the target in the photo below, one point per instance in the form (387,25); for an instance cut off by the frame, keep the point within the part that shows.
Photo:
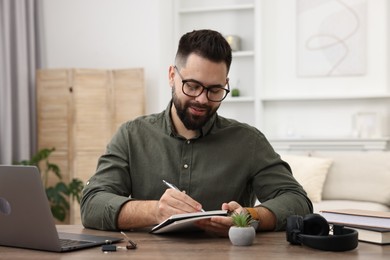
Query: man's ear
(171,76)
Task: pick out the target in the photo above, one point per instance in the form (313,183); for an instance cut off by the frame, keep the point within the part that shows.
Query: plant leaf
(41,155)
(242,219)
(55,169)
(75,188)
(58,212)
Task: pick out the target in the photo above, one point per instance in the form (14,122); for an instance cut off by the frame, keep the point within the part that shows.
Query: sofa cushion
(358,176)
(310,172)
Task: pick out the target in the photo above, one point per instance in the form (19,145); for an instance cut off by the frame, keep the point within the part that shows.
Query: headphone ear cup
(294,227)
(313,231)
(316,225)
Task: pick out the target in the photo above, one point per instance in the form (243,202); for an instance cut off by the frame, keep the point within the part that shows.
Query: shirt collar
(205,130)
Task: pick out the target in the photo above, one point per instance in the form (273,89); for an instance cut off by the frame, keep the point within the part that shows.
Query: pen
(170,185)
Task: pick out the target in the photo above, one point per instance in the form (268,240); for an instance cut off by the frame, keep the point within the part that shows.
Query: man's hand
(143,213)
(220,225)
(175,202)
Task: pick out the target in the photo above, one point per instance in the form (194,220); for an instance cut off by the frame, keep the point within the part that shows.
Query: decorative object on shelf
(60,193)
(327,47)
(366,125)
(235,92)
(234,42)
(242,233)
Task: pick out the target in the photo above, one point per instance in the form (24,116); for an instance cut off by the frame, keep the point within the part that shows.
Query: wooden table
(272,245)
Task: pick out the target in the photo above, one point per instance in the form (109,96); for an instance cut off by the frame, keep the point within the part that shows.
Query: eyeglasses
(193,88)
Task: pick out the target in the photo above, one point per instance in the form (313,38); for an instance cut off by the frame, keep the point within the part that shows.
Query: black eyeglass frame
(208,88)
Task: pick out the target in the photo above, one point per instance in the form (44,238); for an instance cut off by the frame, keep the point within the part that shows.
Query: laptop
(25,217)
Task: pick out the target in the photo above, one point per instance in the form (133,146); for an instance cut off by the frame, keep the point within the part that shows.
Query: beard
(190,121)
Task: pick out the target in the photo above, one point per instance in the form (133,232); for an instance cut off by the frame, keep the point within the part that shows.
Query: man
(217,163)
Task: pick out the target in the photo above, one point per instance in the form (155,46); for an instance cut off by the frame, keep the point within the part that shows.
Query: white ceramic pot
(242,236)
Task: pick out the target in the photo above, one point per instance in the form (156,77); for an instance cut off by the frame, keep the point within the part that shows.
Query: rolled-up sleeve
(276,188)
(106,191)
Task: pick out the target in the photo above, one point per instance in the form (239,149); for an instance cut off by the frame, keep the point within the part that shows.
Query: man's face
(195,112)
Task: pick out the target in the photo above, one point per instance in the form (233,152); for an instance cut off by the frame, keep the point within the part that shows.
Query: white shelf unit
(213,8)
(339,144)
(283,105)
(379,97)
(229,17)
(298,107)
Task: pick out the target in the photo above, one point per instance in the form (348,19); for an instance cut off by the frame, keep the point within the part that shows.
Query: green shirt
(228,161)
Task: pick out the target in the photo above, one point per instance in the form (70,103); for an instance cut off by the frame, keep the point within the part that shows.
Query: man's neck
(179,126)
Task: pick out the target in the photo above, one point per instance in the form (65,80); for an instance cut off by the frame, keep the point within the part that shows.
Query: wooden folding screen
(78,112)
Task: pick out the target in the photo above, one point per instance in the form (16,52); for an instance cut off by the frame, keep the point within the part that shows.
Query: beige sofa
(343,179)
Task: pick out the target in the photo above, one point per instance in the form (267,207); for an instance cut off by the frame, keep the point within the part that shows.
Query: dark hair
(208,44)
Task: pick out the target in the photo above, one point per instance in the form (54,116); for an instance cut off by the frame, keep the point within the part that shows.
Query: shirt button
(188,141)
(185,166)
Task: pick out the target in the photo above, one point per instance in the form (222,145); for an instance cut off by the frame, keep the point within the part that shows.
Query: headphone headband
(313,231)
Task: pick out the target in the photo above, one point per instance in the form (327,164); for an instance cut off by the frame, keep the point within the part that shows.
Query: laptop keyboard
(72,243)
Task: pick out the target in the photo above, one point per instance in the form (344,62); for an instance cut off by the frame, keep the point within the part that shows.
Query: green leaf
(242,219)
(75,188)
(55,169)
(62,188)
(41,155)
(59,212)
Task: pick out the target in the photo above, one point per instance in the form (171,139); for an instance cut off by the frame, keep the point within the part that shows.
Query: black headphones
(313,231)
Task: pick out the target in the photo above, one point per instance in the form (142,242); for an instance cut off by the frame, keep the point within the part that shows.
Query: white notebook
(185,222)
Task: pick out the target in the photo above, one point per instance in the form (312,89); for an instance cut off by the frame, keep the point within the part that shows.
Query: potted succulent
(242,233)
(235,92)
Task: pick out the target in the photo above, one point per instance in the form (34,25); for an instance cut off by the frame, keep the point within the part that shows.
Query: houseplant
(60,193)
(242,233)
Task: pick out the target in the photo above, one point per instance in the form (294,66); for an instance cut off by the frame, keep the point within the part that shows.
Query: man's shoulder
(234,127)
(223,122)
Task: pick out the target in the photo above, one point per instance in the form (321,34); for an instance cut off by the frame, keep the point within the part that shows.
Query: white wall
(129,33)
(318,106)
(112,34)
